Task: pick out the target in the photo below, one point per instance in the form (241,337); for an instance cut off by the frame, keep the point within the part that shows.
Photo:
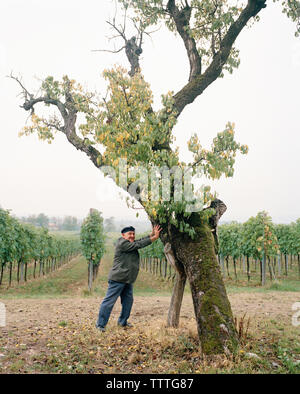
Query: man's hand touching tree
(155,232)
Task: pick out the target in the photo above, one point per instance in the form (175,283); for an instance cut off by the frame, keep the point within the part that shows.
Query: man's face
(130,236)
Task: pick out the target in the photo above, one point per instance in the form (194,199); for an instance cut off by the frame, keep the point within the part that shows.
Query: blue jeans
(116,289)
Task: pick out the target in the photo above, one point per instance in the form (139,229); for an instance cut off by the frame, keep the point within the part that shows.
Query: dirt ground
(32,314)
(59,336)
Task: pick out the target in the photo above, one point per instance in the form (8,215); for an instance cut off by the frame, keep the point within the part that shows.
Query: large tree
(132,132)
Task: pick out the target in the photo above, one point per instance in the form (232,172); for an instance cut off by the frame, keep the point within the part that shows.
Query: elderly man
(123,274)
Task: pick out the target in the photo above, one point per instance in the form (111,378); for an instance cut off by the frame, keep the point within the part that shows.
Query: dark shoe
(102,329)
(127,325)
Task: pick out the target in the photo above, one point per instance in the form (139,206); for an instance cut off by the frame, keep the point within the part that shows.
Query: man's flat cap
(126,229)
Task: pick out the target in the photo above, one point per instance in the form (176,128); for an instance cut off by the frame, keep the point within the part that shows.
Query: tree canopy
(122,127)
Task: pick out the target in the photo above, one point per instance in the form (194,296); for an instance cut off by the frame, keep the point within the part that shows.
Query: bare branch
(24,90)
(124,23)
(127,102)
(57,126)
(152,31)
(107,50)
(115,27)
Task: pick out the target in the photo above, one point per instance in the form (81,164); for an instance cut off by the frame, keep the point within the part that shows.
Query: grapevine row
(256,247)
(27,251)
(92,243)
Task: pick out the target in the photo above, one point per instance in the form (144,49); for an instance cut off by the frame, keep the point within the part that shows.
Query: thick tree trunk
(216,328)
(197,259)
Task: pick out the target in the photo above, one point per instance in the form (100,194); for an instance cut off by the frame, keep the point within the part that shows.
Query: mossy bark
(215,323)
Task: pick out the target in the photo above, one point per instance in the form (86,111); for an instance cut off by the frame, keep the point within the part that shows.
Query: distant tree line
(68,223)
(112,224)
(71,223)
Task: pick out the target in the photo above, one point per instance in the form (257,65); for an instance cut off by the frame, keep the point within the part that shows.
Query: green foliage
(57,92)
(8,237)
(92,237)
(127,127)
(155,249)
(259,236)
(263,231)
(292,10)
(230,239)
(253,238)
(288,238)
(24,242)
(210,20)
(220,159)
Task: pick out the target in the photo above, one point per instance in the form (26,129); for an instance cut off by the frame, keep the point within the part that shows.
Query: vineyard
(53,330)
(28,252)
(247,252)
(92,243)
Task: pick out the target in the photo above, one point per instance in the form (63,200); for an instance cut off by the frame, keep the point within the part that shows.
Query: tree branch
(24,90)
(213,221)
(182,22)
(69,115)
(133,46)
(107,50)
(68,112)
(197,85)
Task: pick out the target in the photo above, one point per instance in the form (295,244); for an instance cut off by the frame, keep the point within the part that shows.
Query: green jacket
(126,262)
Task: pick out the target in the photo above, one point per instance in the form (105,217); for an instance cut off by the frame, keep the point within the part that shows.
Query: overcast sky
(41,38)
